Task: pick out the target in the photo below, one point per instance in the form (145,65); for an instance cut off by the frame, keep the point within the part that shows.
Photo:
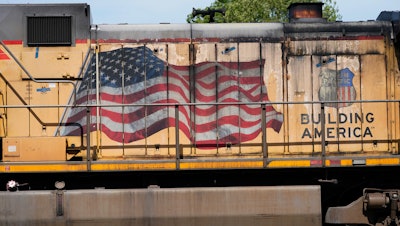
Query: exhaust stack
(306,12)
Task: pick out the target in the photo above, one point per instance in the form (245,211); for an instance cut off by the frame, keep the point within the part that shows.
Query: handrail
(31,77)
(198,104)
(178,146)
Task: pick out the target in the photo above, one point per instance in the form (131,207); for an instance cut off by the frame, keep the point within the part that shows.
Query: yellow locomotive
(81,97)
(195,95)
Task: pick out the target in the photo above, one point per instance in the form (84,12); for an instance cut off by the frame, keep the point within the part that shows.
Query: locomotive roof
(240,31)
(13,15)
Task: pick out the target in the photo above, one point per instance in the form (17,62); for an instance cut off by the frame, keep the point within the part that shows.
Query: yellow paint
(43,168)
(132,166)
(289,163)
(346,162)
(221,165)
(388,161)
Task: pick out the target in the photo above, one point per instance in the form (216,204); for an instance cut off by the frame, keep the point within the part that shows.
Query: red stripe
(316,162)
(4,56)
(81,41)
(12,42)
(335,162)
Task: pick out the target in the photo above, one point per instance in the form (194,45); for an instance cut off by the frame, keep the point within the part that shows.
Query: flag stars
(124,67)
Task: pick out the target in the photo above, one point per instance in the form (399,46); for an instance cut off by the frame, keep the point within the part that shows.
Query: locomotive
(303,96)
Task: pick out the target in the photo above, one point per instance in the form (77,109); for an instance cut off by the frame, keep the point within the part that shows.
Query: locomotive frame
(326,97)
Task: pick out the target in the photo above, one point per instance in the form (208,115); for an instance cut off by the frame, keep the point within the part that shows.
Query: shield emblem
(337,86)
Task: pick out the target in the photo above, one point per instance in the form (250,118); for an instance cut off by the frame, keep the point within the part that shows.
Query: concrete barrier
(288,205)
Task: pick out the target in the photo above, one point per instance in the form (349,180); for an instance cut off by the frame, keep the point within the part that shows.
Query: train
(307,101)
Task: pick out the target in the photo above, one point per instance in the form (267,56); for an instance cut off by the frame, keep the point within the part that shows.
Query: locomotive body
(248,94)
(78,97)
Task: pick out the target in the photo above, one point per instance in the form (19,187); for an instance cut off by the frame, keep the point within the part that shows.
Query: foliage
(255,11)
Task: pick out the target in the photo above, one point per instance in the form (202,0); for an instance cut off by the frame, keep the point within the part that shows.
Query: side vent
(49,31)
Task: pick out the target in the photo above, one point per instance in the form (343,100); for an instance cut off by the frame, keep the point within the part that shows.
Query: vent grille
(49,31)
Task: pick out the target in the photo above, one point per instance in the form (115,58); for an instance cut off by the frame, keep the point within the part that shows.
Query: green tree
(255,11)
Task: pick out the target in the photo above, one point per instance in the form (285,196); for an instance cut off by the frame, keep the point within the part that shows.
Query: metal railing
(178,145)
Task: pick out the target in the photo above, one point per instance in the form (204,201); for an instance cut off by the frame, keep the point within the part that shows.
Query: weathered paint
(298,65)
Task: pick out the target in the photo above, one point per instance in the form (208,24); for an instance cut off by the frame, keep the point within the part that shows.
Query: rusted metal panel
(350,214)
(395,94)
(276,87)
(348,126)
(238,31)
(175,33)
(344,30)
(375,123)
(310,67)
(299,81)
(366,45)
(290,205)
(340,77)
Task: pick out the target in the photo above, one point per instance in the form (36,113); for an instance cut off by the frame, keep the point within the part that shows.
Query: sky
(176,11)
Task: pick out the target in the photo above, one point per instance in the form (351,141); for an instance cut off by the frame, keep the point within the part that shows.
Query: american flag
(136,76)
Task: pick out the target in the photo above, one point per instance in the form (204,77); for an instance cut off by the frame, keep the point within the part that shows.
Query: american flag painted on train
(137,76)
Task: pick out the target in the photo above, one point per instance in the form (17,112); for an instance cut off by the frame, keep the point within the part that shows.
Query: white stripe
(224,131)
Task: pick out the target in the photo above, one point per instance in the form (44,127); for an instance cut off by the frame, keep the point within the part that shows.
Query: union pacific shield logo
(337,86)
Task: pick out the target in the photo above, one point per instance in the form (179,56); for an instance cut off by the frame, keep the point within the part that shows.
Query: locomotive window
(49,31)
